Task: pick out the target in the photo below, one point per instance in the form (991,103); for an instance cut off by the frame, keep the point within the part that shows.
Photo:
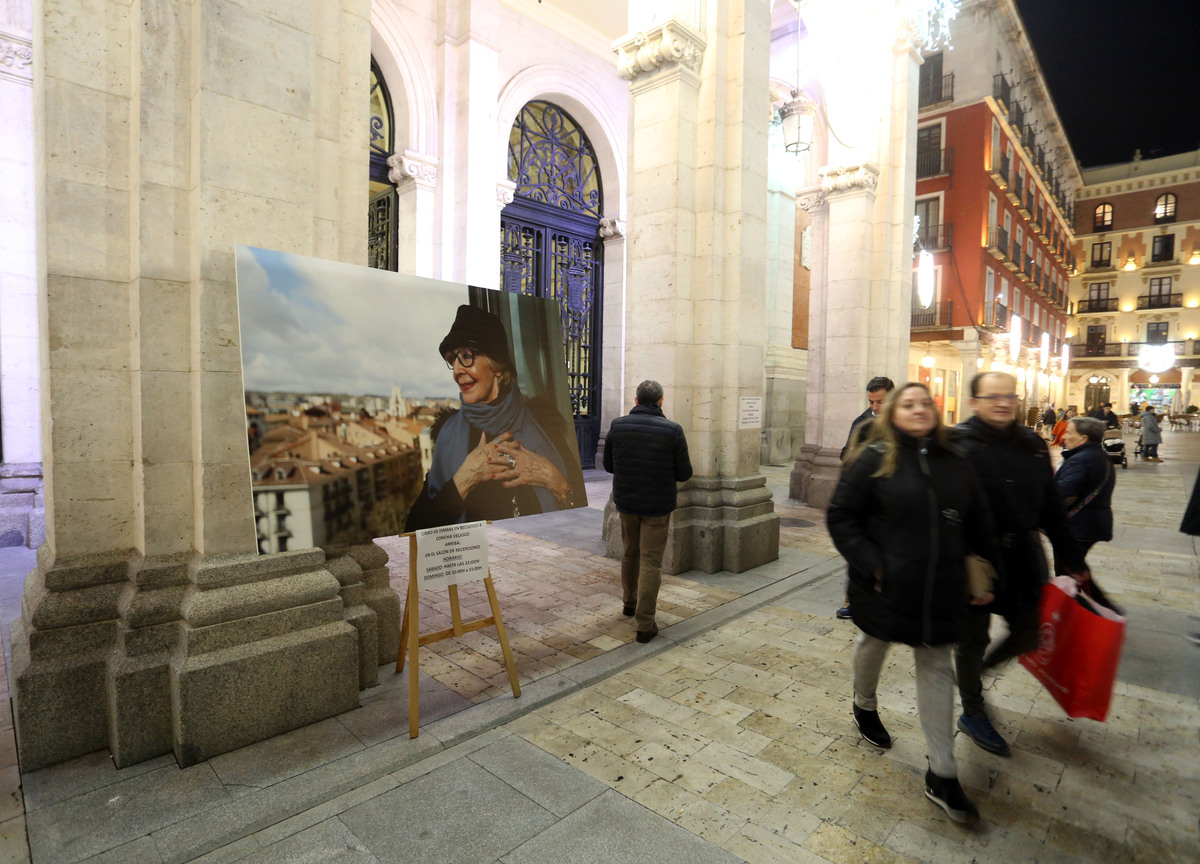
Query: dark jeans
(969,661)
(1150,451)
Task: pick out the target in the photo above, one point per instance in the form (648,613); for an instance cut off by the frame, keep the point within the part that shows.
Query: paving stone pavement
(726,739)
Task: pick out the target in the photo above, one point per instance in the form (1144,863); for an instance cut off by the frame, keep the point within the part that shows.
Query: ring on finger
(512,462)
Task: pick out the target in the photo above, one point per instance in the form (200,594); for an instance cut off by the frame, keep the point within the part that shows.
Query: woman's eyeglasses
(465,357)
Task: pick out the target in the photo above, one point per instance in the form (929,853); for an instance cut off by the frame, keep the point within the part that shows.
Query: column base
(815,475)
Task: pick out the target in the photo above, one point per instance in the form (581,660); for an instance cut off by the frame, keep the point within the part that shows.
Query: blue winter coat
(1084,470)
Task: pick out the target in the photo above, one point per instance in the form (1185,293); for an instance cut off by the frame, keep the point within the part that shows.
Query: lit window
(1103,218)
(1164,208)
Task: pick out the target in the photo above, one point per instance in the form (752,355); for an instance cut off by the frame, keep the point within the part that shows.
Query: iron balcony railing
(938,314)
(931,163)
(1002,90)
(933,238)
(1159,301)
(936,90)
(998,241)
(1135,348)
(995,315)
(1017,117)
(1096,349)
(1101,262)
(1099,304)
(1000,169)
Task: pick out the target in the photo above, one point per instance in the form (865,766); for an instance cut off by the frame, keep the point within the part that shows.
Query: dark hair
(1089,427)
(978,380)
(649,392)
(879,382)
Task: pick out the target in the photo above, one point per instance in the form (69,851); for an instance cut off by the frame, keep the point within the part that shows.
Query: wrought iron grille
(551,160)
(381,231)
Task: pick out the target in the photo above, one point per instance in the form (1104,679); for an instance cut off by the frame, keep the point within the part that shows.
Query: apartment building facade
(995,181)
(1136,297)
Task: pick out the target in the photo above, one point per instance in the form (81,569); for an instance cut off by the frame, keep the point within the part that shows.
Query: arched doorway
(381,215)
(549,245)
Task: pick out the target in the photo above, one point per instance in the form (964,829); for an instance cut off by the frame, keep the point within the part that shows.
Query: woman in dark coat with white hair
(1086,480)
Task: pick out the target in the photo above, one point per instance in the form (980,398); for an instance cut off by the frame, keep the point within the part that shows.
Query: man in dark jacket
(1085,481)
(1111,420)
(877,390)
(1013,464)
(647,455)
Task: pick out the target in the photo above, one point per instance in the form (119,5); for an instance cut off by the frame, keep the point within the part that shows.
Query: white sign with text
(750,411)
(451,554)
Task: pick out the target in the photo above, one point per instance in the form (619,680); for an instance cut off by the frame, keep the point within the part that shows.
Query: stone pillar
(1123,396)
(415,178)
(150,624)
(614,393)
(860,309)
(1185,385)
(469,62)
(700,104)
(812,462)
(786,367)
(22,510)
(971,351)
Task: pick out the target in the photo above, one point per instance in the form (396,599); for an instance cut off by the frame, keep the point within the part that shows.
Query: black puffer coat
(647,454)
(1084,470)
(916,527)
(1013,464)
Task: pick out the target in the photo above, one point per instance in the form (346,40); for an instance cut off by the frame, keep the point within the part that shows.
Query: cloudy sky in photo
(314,326)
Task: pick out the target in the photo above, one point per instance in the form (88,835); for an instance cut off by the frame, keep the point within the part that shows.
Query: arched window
(381,215)
(1164,208)
(550,246)
(1103,218)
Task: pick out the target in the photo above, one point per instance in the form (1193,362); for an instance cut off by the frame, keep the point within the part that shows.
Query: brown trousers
(645,539)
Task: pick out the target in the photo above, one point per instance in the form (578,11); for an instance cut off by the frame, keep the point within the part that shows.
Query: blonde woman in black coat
(906,512)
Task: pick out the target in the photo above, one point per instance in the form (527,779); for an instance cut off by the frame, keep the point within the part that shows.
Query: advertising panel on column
(379,403)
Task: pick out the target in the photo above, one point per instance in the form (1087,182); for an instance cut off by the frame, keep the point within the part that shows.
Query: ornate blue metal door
(550,246)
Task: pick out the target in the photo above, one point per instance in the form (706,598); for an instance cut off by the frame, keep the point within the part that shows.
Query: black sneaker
(947,793)
(871,728)
(628,609)
(983,733)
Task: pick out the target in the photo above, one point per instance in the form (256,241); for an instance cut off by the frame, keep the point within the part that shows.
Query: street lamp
(797,119)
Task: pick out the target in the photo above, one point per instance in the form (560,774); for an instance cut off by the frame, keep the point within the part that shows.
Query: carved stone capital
(849,178)
(908,41)
(505,190)
(611,227)
(16,58)
(670,44)
(412,167)
(810,200)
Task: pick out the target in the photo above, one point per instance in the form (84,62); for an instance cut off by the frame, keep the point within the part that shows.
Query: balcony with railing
(1095,349)
(1016,117)
(937,315)
(1000,169)
(1099,304)
(995,314)
(1101,262)
(1159,301)
(1002,90)
(936,91)
(997,243)
(934,238)
(1025,205)
(932,163)
(1016,189)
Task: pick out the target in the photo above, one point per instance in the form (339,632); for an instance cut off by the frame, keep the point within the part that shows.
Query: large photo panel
(379,403)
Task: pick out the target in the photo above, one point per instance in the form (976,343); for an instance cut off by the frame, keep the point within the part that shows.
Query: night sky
(1123,75)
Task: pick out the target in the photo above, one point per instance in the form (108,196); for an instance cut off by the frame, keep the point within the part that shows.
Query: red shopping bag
(1079,648)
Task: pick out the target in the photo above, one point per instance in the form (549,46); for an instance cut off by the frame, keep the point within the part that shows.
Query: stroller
(1114,447)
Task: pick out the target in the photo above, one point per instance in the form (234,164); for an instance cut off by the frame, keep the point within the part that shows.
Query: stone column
(700,105)
(22,510)
(415,178)
(470,68)
(812,461)
(150,624)
(614,395)
(786,367)
(1185,386)
(1123,396)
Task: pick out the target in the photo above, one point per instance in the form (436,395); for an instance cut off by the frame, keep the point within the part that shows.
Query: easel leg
(414,709)
(455,611)
(403,637)
(503,635)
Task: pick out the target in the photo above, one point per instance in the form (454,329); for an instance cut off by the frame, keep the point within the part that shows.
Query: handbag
(1079,647)
(981,576)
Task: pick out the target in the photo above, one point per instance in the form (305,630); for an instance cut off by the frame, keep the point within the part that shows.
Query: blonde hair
(883,432)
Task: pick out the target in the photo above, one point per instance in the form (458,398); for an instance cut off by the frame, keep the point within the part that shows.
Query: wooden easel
(411,640)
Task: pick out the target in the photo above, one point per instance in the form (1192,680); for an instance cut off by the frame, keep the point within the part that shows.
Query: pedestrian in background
(1060,428)
(906,512)
(647,454)
(1151,435)
(1086,480)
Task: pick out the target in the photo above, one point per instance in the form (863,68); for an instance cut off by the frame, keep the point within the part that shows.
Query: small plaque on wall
(806,248)
(750,411)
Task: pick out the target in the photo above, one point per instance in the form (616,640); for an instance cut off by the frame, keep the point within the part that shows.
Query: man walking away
(877,390)
(647,455)
(1013,465)
(1111,420)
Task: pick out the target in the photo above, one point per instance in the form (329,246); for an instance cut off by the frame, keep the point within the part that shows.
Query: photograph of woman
(493,457)
(907,511)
